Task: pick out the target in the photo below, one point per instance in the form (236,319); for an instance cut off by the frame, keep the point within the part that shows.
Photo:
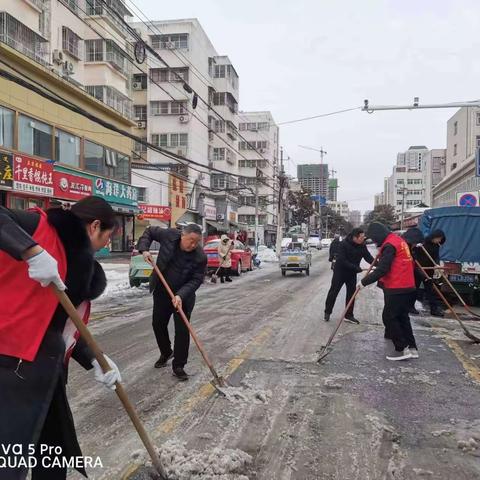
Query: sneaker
(437,313)
(403,355)
(180,373)
(413,311)
(327,317)
(352,319)
(414,352)
(162,361)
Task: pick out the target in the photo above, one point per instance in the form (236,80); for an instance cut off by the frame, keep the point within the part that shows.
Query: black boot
(350,318)
(162,361)
(222,280)
(413,311)
(228,279)
(180,373)
(437,312)
(327,316)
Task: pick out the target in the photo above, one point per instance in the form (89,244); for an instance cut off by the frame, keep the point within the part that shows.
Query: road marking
(202,394)
(468,365)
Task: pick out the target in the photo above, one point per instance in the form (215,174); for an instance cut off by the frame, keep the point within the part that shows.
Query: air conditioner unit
(220,217)
(170,45)
(183,118)
(142,124)
(57,57)
(182,152)
(137,85)
(68,68)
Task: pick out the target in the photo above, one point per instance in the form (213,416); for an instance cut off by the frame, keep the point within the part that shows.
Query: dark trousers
(397,322)
(430,295)
(224,272)
(162,312)
(338,280)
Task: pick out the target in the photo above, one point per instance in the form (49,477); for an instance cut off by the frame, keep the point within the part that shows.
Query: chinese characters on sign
(72,187)
(32,176)
(6,170)
(209,212)
(116,192)
(155,212)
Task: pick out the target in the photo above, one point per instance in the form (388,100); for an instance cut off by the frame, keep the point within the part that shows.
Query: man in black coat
(432,245)
(333,251)
(351,251)
(183,263)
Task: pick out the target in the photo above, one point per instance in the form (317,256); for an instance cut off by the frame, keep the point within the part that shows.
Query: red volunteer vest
(401,275)
(26,308)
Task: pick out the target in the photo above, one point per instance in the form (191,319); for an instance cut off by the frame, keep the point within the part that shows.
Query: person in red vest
(37,339)
(395,274)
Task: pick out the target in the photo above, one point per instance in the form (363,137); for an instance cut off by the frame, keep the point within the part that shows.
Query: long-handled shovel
(447,281)
(120,391)
(218,382)
(325,349)
(215,275)
(467,332)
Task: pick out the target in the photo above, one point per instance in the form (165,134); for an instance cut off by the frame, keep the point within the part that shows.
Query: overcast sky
(309,57)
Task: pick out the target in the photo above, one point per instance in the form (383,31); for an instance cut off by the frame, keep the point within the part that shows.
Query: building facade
(332,189)
(50,151)
(314,177)
(434,170)
(340,208)
(463,139)
(355,218)
(259,170)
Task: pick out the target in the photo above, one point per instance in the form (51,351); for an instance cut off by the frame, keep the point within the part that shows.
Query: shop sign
(6,170)
(209,212)
(155,212)
(71,187)
(32,176)
(115,192)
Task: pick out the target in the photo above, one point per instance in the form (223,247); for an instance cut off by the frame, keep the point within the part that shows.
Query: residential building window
(142,194)
(94,157)
(263,126)
(162,42)
(219,126)
(111,97)
(178,108)
(177,201)
(170,140)
(140,81)
(67,148)
(455,128)
(218,154)
(478,141)
(140,112)
(122,169)
(159,108)
(219,71)
(139,146)
(71,43)
(168,108)
(34,137)
(162,75)
(94,50)
(71,4)
(455,149)
(184,202)
(7,121)
(225,98)
(478,118)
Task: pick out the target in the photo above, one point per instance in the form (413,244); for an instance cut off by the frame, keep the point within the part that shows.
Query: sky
(308,57)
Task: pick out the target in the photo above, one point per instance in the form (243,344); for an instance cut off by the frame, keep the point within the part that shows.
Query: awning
(217,226)
(187,217)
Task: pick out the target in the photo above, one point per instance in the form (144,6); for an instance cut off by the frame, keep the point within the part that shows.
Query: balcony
(18,36)
(113,98)
(109,12)
(107,51)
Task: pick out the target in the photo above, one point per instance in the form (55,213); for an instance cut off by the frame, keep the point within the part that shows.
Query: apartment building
(434,170)
(314,177)
(47,151)
(258,167)
(340,208)
(202,128)
(463,141)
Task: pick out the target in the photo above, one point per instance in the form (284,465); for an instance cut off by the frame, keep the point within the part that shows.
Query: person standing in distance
(183,263)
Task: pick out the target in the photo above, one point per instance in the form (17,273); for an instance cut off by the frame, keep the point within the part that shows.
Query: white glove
(360,286)
(108,379)
(44,269)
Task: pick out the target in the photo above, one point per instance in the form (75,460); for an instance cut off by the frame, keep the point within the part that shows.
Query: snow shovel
(325,349)
(467,332)
(462,301)
(218,382)
(214,276)
(120,391)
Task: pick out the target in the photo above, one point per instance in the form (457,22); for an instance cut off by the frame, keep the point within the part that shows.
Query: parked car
(241,257)
(140,271)
(325,242)
(314,242)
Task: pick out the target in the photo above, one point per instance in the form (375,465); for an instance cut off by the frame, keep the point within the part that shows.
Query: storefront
(6,176)
(151,215)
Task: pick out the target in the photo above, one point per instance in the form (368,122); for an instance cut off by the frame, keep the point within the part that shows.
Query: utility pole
(416,106)
(281,186)
(257,172)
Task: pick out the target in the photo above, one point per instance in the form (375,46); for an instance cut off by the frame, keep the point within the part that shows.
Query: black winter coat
(350,255)
(169,238)
(432,248)
(333,251)
(30,390)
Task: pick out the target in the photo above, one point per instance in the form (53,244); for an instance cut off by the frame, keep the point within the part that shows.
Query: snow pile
(118,282)
(182,463)
(267,255)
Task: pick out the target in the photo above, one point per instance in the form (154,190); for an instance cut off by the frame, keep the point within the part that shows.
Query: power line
(319,116)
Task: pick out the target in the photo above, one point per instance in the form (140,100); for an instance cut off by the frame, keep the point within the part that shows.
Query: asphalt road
(354,416)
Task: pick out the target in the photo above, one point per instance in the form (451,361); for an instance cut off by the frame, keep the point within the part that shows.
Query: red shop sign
(71,187)
(155,212)
(32,176)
